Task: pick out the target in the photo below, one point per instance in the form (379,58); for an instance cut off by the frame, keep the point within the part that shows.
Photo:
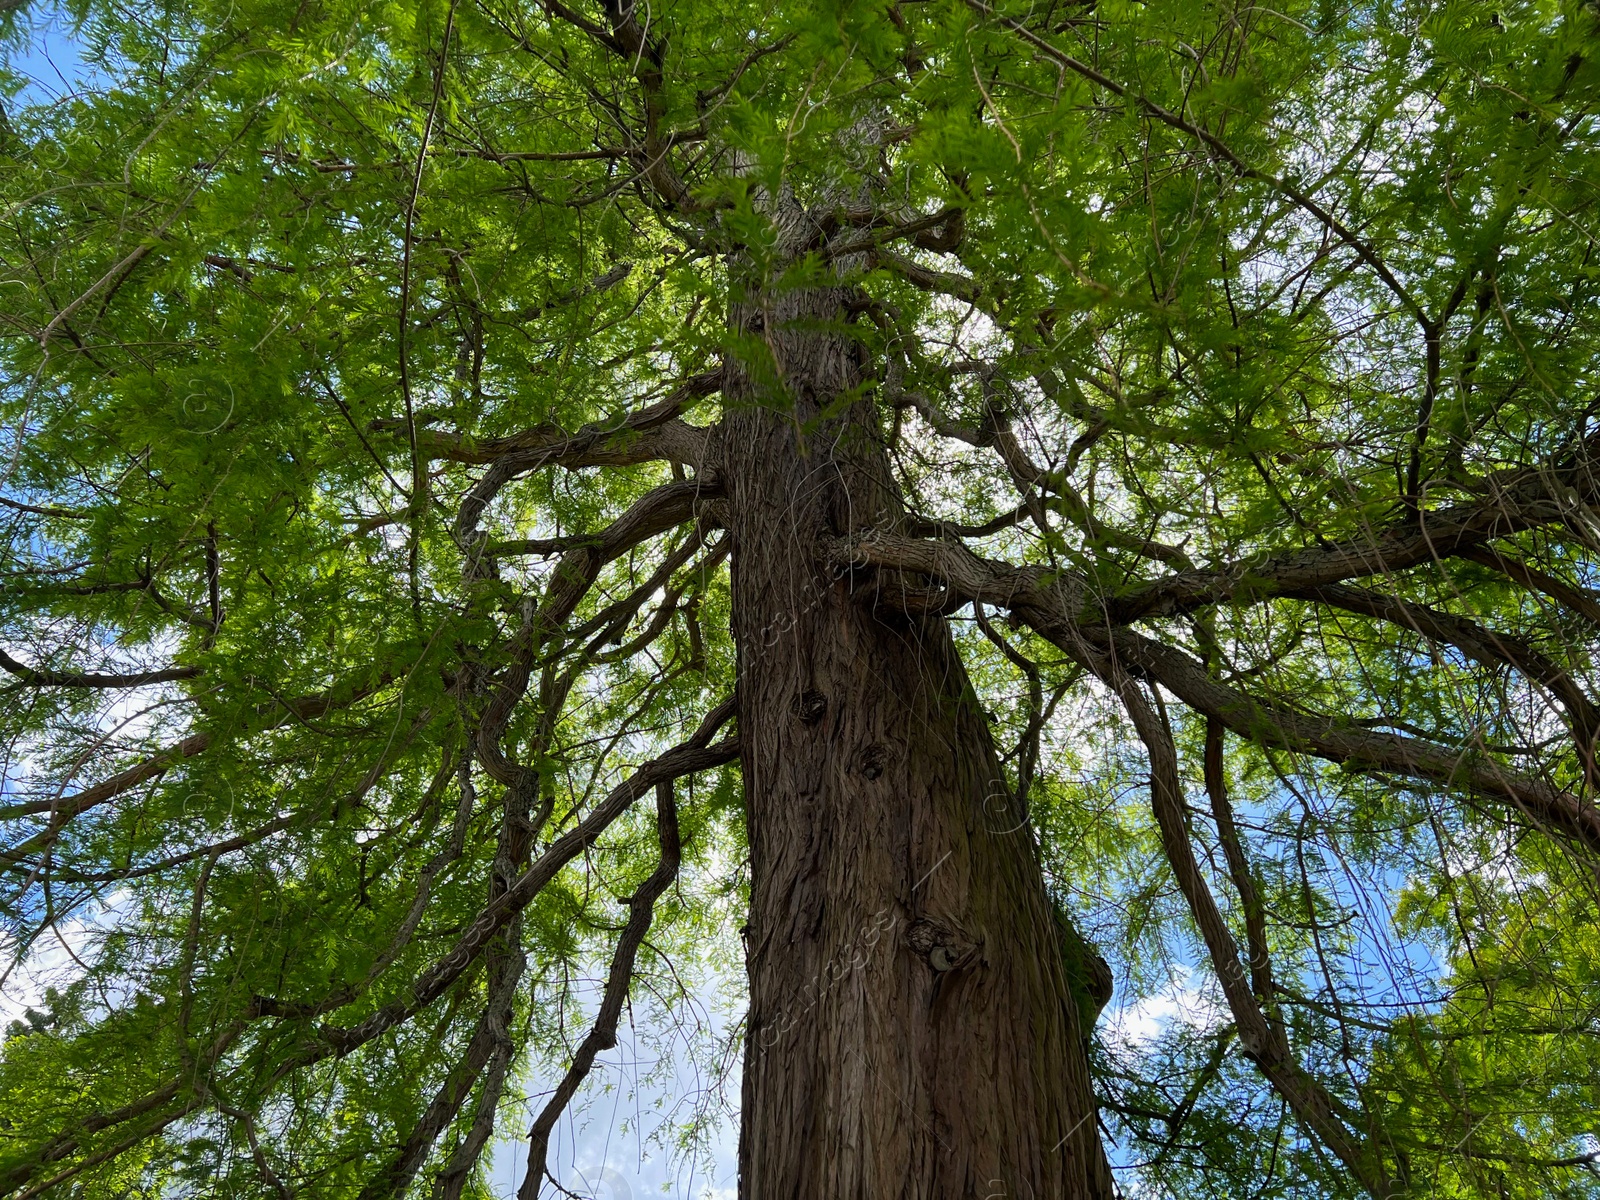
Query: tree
(974,491)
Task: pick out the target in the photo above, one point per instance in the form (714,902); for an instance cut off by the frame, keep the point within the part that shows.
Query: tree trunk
(911,1033)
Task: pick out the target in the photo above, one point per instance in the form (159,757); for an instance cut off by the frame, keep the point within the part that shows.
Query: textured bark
(911,1033)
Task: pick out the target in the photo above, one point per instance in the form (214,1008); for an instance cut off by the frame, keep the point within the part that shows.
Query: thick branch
(47,677)
(64,808)
(655,512)
(1520,500)
(615,441)
(1051,607)
(1486,646)
(641,436)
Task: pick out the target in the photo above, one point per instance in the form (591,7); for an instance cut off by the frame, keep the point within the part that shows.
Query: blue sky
(43,51)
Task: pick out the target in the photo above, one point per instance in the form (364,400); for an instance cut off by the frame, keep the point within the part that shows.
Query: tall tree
(968,490)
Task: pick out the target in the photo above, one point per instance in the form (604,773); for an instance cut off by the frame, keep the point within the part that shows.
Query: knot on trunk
(873,760)
(809,706)
(940,944)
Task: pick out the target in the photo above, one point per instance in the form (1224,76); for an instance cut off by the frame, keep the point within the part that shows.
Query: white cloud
(55,959)
(1188,998)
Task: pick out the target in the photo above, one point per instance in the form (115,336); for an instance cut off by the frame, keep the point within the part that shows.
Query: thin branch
(1487,646)
(1579,600)
(64,808)
(1288,190)
(695,754)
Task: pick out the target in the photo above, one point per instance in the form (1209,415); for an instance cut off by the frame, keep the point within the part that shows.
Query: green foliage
(284,281)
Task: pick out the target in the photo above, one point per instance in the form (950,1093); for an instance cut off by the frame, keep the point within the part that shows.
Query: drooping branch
(177,1097)
(513,882)
(453,1177)
(488,1050)
(1579,600)
(665,609)
(1264,1041)
(603,1034)
(1027,750)
(1255,917)
(247,1121)
(1337,740)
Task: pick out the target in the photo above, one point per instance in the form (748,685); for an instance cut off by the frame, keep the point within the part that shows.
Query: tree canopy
(368,677)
